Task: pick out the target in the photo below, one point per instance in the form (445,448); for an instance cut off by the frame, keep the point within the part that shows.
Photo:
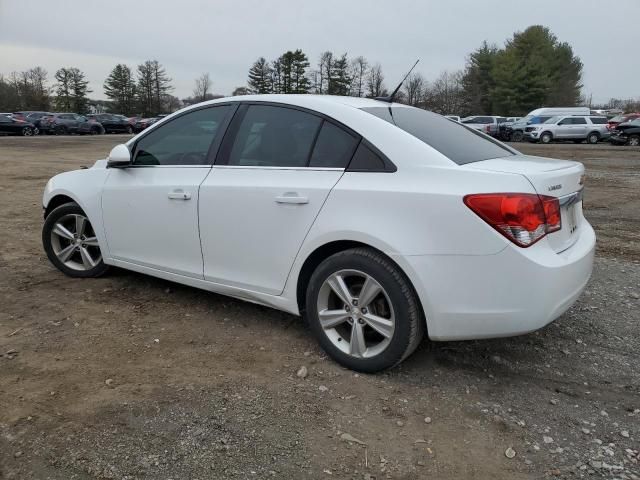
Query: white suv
(569,127)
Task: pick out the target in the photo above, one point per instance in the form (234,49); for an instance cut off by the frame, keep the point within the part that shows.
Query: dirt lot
(130,377)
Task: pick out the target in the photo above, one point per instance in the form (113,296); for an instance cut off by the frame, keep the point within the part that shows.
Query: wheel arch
(56,201)
(322,252)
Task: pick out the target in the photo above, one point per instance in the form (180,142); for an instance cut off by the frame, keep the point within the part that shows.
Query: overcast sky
(224,37)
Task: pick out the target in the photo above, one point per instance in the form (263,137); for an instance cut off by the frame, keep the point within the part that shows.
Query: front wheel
(634,140)
(517,136)
(130,130)
(363,310)
(546,137)
(71,244)
(26,132)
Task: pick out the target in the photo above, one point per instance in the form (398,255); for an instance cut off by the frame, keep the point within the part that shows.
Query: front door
(150,210)
(278,167)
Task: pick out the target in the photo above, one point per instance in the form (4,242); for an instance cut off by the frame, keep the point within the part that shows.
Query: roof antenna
(390,98)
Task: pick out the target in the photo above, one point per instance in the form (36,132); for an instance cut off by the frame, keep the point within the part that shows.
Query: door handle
(292,197)
(179,195)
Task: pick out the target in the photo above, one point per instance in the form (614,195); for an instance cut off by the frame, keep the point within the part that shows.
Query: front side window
(184,140)
(459,143)
(271,136)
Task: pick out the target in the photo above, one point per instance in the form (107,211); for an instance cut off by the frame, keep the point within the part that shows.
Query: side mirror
(119,157)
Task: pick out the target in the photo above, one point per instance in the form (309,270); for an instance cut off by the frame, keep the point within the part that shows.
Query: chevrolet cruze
(377,222)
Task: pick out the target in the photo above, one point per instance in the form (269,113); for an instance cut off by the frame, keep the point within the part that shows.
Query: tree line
(147,91)
(532,69)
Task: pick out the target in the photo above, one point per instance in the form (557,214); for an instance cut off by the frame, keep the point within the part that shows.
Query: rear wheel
(363,310)
(26,132)
(71,243)
(61,130)
(129,130)
(593,138)
(546,137)
(634,140)
(517,136)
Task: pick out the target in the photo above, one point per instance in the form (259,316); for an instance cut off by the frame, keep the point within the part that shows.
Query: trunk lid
(563,179)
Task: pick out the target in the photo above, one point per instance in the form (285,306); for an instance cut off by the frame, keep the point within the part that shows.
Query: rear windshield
(459,143)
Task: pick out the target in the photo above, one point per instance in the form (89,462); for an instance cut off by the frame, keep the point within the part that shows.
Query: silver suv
(569,127)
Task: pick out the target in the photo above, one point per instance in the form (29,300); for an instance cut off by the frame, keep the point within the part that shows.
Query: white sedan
(376,221)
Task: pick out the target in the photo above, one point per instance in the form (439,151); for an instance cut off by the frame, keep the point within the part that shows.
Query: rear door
(275,170)
(578,127)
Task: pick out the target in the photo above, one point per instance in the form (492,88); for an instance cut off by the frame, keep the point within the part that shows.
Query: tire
(593,138)
(84,255)
(634,140)
(61,130)
(130,130)
(26,132)
(395,309)
(517,136)
(546,137)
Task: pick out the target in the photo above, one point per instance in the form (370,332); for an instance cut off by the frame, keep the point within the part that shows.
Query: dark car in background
(32,117)
(9,125)
(67,123)
(142,123)
(627,133)
(618,119)
(113,123)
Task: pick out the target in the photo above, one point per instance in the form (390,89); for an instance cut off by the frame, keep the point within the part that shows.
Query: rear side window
(334,147)
(274,137)
(578,121)
(598,120)
(459,143)
(366,160)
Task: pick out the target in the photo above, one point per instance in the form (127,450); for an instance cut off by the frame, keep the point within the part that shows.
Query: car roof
(312,101)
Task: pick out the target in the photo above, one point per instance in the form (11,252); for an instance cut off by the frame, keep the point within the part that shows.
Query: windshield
(635,122)
(617,119)
(555,119)
(459,143)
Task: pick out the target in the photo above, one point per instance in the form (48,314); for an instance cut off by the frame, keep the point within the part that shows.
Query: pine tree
(260,77)
(340,78)
(299,79)
(533,70)
(152,88)
(120,88)
(71,90)
(478,80)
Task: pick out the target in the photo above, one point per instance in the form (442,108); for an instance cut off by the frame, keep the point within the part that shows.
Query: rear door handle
(292,197)
(179,195)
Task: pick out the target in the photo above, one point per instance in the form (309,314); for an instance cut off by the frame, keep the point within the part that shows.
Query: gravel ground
(131,377)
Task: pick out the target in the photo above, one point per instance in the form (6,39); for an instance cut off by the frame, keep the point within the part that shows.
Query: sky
(190,37)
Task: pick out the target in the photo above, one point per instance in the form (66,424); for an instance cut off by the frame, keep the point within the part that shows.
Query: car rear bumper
(513,292)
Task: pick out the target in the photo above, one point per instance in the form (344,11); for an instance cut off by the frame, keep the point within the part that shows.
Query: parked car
(143,123)
(67,123)
(13,126)
(627,133)
(484,123)
(618,119)
(505,126)
(569,127)
(301,178)
(515,133)
(32,117)
(113,123)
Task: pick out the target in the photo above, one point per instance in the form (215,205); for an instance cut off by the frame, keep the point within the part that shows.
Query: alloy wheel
(356,314)
(74,242)
(634,141)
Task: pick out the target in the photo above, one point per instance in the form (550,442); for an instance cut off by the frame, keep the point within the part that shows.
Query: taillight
(524,218)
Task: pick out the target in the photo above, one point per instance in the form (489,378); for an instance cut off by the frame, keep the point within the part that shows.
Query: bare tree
(202,88)
(359,67)
(446,95)
(375,81)
(325,72)
(414,89)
